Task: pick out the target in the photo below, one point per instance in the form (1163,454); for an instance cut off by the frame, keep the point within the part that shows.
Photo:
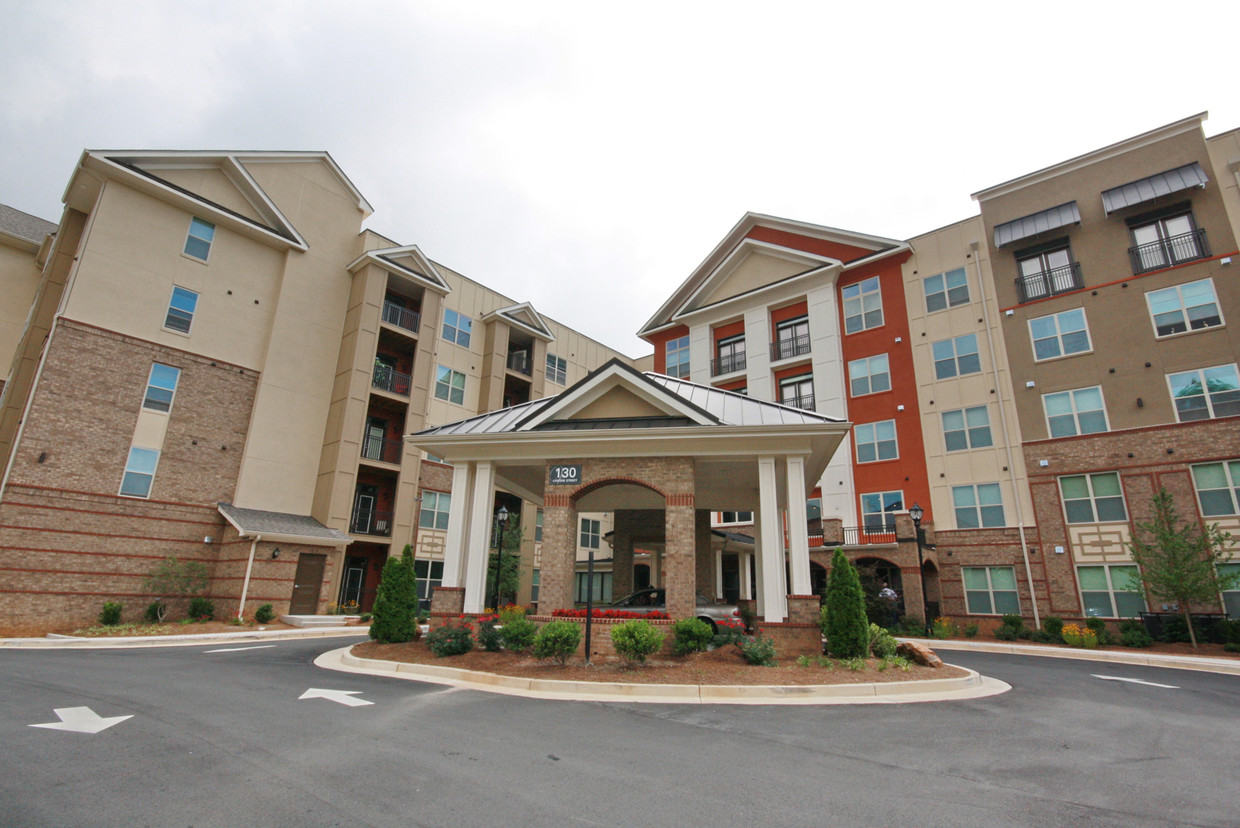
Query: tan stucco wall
(19,279)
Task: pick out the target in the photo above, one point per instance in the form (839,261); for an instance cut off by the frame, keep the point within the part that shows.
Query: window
(1183,307)
(978,506)
(590,533)
(798,391)
(735,517)
(876,441)
(181,310)
(1218,488)
(1205,393)
(535,582)
(1165,241)
(1046,271)
(956,357)
(1231,597)
(1075,412)
(731,354)
(456,327)
(677,351)
(557,369)
(435,507)
(966,428)
(161,385)
(1093,498)
(869,375)
(791,338)
(1104,591)
(139,472)
(878,511)
(813,508)
(430,575)
(946,290)
(1059,334)
(990,590)
(538,526)
(601,594)
(198,242)
(863,306)
(449,385)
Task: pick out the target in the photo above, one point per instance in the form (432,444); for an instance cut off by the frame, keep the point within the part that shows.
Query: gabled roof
(727,255)
(281,526)
(524,317)
(24,227)
(408,261)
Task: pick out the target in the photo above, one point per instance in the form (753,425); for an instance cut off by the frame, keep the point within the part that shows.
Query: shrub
(1135,638)
(847,628)
(395,614)
(636,639)
(690,635)
(110,615)
(1174,629)
(1005,634)
(970,629)
(1042,637)
(264,613)
(728,632)
(1229,631)
(154,612)
(944,628)
(511,612)
(1012,620)
(612,614)
(1100,629)
(201,609)
(856,665)
(1232,647)
(748,615)
(558,640)
(912,625)
(1089,638)
(1073,635)
(758,651)
(174,578)
(453,638)
(882,645)
(518,634)
(488,635)
(365,617)
(804,661)
(1053,624)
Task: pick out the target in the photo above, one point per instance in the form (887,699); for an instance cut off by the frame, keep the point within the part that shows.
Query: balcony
(1049,282)
(791,347)
(1169,251)
(371,522)
(850,535)
(377,448)
(726,364)
(803,401)
(519,361)
(394,314)
(387,378)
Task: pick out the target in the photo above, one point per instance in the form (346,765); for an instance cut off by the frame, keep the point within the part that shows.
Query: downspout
(1003,424)
(249,566)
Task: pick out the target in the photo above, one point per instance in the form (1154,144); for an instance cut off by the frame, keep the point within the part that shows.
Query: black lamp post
(501,518)
(916,513)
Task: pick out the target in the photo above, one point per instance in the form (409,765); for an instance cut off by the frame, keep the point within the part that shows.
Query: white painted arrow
(1136,681)
(338,696)
(239,649)
(81,720)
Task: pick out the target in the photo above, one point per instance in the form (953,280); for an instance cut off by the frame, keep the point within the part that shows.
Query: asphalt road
(222,739)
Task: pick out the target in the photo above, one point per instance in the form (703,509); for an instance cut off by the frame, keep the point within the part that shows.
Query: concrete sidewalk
(61,642)
(1206,664)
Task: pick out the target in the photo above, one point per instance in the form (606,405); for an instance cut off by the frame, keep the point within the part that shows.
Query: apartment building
(214,361)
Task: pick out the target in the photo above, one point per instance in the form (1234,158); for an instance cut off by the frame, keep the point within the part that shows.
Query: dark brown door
(306,584)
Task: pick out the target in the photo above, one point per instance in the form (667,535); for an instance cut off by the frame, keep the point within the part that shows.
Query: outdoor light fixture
(917,513)
(501,519)
(275,553)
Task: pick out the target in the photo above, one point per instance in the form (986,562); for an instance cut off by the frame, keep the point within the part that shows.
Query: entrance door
(364,509)
(353,583)
(372,443)
(306,584)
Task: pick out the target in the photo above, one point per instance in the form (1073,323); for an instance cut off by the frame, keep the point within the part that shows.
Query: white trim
(539,329)
(384,258)
(612,377)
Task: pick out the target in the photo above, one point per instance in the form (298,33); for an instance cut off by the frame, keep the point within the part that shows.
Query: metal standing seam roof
(1011,232)
(261,522)
(24,225)
(1148,189)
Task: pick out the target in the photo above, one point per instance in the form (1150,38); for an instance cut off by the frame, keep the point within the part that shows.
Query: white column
(479,548)
(458,525)
(718,573)
(798,527)
(758,592)
(746,561)
(771,562)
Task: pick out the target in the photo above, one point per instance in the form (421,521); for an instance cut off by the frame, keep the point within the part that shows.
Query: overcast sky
(585,156)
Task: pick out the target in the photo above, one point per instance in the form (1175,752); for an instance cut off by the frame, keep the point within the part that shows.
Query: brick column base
(803,609)
(793,639)
(447,603)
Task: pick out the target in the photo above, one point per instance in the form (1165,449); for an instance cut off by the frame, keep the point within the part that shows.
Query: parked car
(654,599)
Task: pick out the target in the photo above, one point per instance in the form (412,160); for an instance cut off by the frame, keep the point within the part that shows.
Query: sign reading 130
(565,475)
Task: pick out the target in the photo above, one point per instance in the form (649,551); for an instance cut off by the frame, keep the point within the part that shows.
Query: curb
(972,686)
(1206,664)
(63,642)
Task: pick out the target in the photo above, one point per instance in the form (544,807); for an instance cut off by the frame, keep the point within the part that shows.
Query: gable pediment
(409,262)
(525,317)
(619,403)
(752,266)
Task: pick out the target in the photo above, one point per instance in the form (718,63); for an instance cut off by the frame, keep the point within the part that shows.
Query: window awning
(1148,189)
(1011,232)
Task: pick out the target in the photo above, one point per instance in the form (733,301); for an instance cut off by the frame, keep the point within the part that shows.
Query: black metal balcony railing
(519,361)
(851,535)
(377,448)
(804,401)
(371,522)
(401,317)
(1049,282)
(726,364)
(1170,251)
(790,347)
(387,378)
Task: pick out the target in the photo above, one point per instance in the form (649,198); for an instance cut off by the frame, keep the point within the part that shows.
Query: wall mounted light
(275,553)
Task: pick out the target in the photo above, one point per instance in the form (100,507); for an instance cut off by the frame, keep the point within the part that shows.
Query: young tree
(1179,561)
(175,578)
(395,614)
(847,628)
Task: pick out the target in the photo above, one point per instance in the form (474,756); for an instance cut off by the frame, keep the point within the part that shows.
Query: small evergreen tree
(510,577)
(395,618)
(848,629)
(1179,561)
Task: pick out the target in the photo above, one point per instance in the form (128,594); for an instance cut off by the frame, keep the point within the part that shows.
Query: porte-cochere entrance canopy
(621,440)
